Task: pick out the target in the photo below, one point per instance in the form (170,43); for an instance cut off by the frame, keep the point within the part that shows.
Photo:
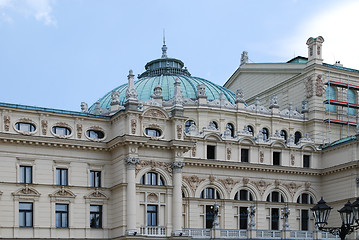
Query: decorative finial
(164,47)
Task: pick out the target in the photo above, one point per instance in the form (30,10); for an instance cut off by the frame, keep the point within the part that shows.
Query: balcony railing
(268,234)
(197,232)
(234,233)
(325,235)
(301,234)
(153,231)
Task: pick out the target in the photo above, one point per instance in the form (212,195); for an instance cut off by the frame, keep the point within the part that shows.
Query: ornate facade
(174,156)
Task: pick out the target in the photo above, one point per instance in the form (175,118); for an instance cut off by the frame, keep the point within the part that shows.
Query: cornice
(51,142)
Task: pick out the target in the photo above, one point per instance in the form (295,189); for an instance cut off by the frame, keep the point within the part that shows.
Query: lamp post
(349,215)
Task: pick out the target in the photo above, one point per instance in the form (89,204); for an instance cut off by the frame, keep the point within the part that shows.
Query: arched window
(305,198)
(210,193)
(95,134)
(284,134)
(297,137)
(250,129)
(351,99)
(152,178)
(330,94)
(213,124)
(275,197)
(231,128)
(188,124)
(265,132)
(243,195)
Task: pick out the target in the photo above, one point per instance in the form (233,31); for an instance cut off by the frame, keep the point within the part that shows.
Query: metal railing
(153,231)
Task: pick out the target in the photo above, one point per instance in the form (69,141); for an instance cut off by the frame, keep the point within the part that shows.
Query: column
(131,195)
(177,198)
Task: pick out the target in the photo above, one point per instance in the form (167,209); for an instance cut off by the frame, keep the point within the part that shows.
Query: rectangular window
(61,176)
(152,215)
(305,220)
(243,218)
(95,178)
(244,155)
(209,216)
(62,215)
(276,158)
(211,152)
(26,174)
(306,161)
(25,214)
(96,216)
(275,218)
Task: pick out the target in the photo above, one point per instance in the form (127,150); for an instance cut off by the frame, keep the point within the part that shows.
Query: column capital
(131,162)
(177,166)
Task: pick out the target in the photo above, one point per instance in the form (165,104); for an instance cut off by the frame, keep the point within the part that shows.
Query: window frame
(23,174)
(95,181)
(230,126)
(25,211)
(211,155)
(152,215)
(68,130)
(152,178)
(245,157)
(306,161)
(61,213)
(297,137)
(59,176)
(99,214)
(210,193)
(277,158)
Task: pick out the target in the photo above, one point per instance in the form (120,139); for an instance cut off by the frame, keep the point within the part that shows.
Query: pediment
(27,191)
(96,195)
(64,193)
(155,112)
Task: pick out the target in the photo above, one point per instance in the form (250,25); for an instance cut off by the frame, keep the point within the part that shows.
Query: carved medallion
(193,181)
(261,186)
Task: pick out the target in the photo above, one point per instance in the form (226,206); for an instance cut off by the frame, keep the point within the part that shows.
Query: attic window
(211,152)
(25,127)
(95,134)
(61,130)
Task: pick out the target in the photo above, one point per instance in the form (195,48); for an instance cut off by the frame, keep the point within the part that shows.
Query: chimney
(315,50)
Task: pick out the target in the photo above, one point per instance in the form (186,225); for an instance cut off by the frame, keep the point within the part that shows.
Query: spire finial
(164,47)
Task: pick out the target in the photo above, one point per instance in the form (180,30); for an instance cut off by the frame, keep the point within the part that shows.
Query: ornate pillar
(131,195)
(177,198)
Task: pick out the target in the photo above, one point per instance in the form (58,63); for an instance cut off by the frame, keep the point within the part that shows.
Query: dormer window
(25,127)
(152,132)
(62,131)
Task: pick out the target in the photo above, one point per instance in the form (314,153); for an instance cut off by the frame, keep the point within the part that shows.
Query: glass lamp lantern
(355,206)
(346,213)
(321,213)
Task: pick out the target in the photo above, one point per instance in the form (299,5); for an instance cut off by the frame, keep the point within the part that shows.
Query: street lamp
(349,213)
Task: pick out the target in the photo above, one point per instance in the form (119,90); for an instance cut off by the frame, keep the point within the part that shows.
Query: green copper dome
(164,72)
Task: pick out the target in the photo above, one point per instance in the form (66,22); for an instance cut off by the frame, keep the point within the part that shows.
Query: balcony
(155,231)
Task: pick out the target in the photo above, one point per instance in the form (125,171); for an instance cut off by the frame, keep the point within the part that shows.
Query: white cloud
(337,26)
(41,10)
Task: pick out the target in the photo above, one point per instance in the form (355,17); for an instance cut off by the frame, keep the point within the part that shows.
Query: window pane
(28,219)
(275,196)
(243,195)
(243,220)
(22,219)
(28,174)
(275,219)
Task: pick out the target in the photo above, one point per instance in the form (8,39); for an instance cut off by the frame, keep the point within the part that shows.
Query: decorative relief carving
(194,149)
(177,166)
(276,183)
(27,191)
(63,193)
(307,185)
(179,131)
(245,181)
(154,113)
(79,130)
(133,126)
(261,186)
(228,183)
(319,86)
(211,178)
(193,181)
(152,198)
(153,165)
(261,156)
(292,187)
(309,87)
(229,153)
(131,162)
(292,159)
(7,123)
(97,194)
(44,125)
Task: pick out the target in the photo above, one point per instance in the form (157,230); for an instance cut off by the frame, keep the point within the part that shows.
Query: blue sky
(57,53)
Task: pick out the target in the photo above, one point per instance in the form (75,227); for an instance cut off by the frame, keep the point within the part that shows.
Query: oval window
(95,134)
(63,131)
(152,132)
(25,127)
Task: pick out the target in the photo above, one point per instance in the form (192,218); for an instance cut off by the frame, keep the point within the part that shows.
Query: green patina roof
(340,141)
(164,72)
